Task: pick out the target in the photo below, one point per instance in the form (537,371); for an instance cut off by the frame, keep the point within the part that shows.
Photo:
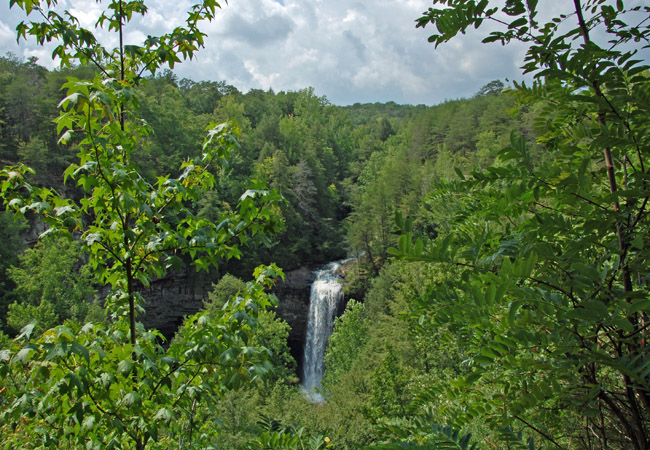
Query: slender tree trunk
(131,295)
(609,161)
(636,397)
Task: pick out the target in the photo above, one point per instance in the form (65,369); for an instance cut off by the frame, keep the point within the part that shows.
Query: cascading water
(326,295)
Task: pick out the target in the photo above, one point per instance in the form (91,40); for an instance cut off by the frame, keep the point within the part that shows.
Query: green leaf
(125,366)
(74,381)
(66,137)
(518,23)
(61,210)
(165,415)
(5,355)
(89,423)
(80,350)
(76,410)
(512,312)
(27,330)
(71,99)
(132,399)
(91,238)
(25,354)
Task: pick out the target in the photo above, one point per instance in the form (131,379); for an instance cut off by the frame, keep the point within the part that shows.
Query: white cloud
(348,50)
(262,78)
(86,12)
(6,34)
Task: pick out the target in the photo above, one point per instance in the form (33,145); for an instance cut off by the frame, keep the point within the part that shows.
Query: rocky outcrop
(293,306)
(169,299)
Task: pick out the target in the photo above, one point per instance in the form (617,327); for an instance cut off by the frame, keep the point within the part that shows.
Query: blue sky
(349,51)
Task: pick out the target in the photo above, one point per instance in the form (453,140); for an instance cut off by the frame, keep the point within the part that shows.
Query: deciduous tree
(116,387)
(556,300)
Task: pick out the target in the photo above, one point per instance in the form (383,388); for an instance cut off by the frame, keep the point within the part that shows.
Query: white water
(326,295)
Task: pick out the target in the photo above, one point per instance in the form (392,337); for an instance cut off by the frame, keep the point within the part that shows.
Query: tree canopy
(501,276)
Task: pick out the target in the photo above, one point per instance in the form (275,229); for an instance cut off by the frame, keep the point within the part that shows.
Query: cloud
(6,34)
(350,51)
(86,12)
(356,43)
(258,32)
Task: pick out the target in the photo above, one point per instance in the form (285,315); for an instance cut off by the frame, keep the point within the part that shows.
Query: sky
(349,51)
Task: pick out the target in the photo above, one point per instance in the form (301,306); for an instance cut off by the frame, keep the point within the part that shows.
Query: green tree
(12,245)
(350,332)
(226,289)
(177,131)
(494,87)
(389,388)
(556,299)
(202,97)
(53,273)
(272,332)
(41,316)
(117,387)
(19,96)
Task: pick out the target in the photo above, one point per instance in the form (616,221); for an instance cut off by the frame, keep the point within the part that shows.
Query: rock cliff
(168,300)
(293,307)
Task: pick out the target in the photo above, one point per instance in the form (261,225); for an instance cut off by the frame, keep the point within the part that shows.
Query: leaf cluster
(74,384)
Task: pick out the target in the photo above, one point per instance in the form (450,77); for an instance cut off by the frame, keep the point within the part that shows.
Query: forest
(498,296)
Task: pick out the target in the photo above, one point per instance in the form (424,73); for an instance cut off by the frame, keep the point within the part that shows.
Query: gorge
(308,300)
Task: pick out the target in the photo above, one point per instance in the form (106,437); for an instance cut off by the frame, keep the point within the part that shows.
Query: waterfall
(326,295)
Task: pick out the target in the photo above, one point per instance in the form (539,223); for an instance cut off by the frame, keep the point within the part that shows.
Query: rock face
(170,299)
(293,307)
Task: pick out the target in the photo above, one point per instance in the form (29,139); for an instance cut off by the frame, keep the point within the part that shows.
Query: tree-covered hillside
(312,152)
(500,277)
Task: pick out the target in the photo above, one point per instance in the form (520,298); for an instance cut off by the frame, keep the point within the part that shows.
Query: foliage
(379,359)
(399,174)
(285,147)
(344,343)
(134,224)
(278,437)
(117,387)
(50,274)
(389,390)
(511,324)
(29,95)
(42,315)
(274,335)
(227,288)
(178,132)
(555,298)
(272,332)
(309,159)
(10,229)
(420,434)
(20,115)
(89,385)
